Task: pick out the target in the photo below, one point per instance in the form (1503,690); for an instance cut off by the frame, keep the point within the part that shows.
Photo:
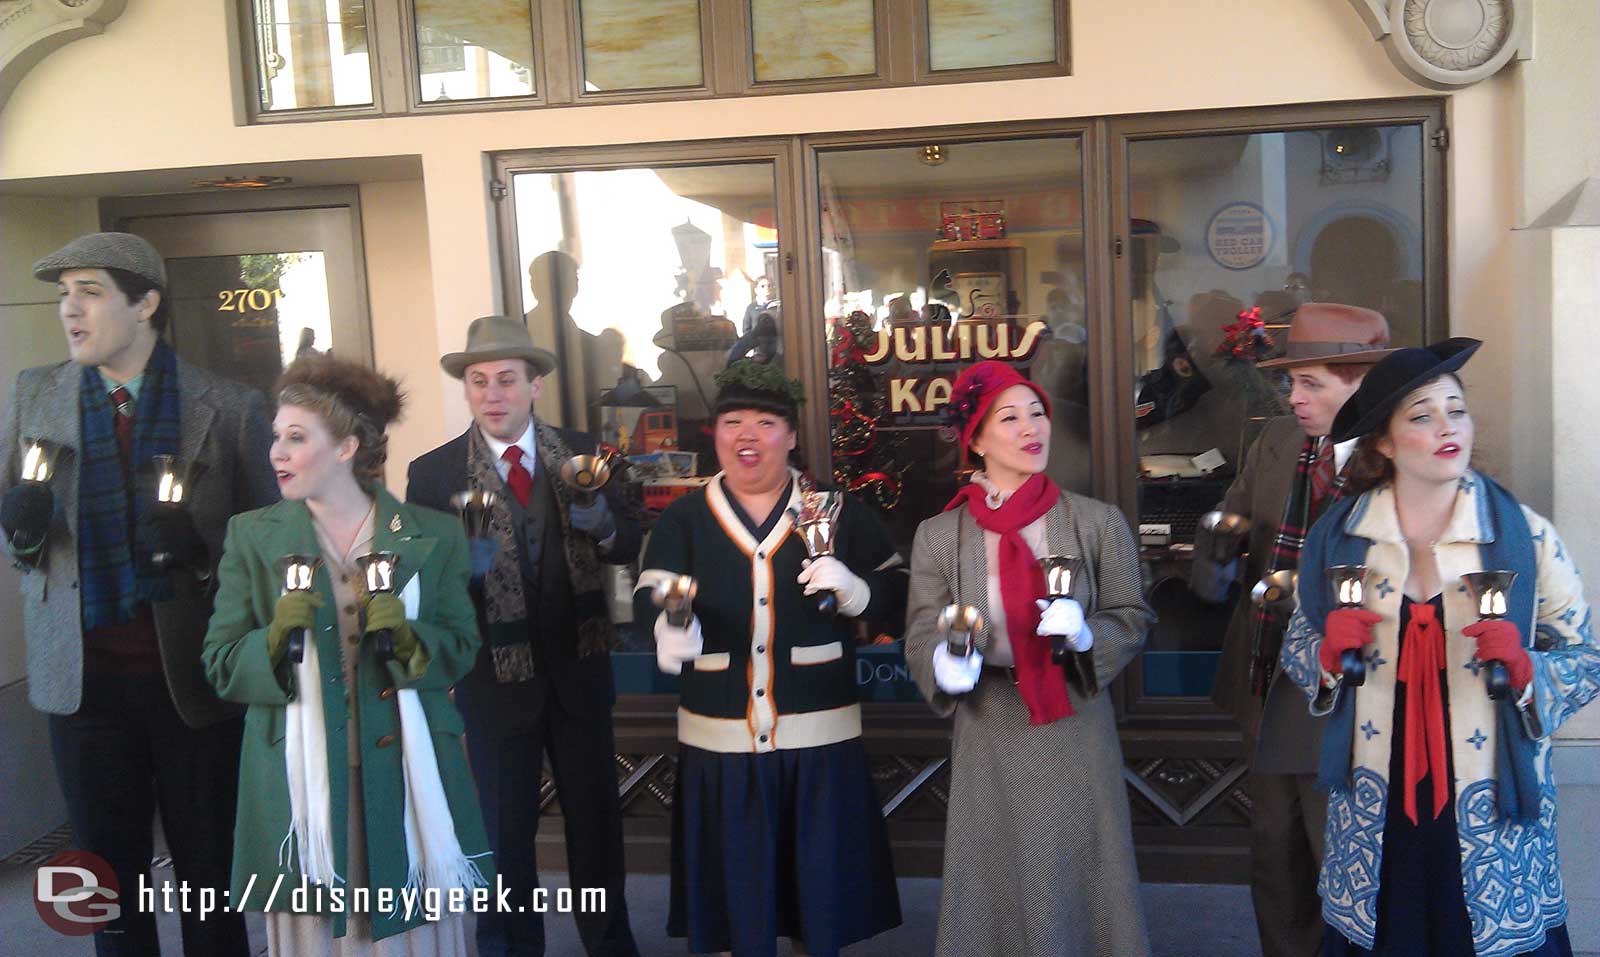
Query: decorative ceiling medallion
(1447,44)
(30,30)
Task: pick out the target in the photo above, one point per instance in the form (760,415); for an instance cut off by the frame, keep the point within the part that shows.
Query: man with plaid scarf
(114,585)
(1290,475)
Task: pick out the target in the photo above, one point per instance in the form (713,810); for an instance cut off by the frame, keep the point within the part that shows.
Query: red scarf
(1040,681)
(1421,660)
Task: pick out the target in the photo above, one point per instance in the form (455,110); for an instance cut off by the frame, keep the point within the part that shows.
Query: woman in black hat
(1441,812)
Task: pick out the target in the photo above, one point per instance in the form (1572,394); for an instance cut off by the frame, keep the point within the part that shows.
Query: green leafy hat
(758,385)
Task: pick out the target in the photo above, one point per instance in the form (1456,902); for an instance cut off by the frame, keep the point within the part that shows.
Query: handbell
(475,508)
(586,475)
(378,574)
(816,521)
(1060,571)
(1226,533)
(960,625)
(1276,589)
(674,594)
(1491,594)
(175,478)
(38,460)
(297,573)
(1349,591)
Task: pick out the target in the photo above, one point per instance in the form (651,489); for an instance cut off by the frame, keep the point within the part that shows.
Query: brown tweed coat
(1038,846)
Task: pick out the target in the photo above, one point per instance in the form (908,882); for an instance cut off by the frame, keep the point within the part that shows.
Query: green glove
(296,609)
(386,611)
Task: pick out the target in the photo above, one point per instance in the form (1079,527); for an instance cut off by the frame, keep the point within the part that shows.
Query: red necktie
(1322,476)
(123,400)
(518,479)
(1421,660)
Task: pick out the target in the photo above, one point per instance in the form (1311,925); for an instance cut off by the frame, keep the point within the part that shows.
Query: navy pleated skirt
(790,843)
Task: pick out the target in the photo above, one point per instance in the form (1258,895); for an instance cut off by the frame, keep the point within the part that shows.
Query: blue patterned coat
(1509,871)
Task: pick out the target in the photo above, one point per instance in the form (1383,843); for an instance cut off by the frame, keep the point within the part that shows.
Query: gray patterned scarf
(505,607)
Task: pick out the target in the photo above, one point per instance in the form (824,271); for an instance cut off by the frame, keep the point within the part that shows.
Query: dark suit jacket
(435,476)
(1284,734)
(227,427)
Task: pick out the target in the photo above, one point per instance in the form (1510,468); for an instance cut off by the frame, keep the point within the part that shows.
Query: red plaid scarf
(1300,510)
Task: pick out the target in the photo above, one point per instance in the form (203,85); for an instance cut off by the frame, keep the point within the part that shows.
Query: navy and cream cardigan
(774,673)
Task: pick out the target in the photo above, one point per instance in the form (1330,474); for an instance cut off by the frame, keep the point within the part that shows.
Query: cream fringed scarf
(434,855)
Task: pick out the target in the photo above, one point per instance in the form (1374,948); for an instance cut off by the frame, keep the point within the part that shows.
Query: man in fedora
(113,631)
(542,683)
(1290,475)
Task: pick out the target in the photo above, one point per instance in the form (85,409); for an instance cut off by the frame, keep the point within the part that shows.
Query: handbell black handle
(1353,667)
(1499,681)
(297,645)
(382,643)
(828,604)
(1059,649)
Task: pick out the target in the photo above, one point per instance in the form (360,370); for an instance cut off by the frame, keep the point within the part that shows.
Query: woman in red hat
(1038,848)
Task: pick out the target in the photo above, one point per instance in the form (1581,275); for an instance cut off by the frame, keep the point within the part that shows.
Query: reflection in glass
(312,53)
(807,41)
(929,267)
(627,48)
(963,35)
(473,49)
(1230,235)
(638,280)
(246,317)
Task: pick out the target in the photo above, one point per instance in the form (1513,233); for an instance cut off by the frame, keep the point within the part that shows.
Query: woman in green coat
(357,815)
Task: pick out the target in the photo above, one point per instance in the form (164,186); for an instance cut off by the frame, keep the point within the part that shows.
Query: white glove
(956,674)
(674,646)
(829,574)
(1064,617)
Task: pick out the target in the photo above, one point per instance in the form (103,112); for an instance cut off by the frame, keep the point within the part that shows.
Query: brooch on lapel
(394,523)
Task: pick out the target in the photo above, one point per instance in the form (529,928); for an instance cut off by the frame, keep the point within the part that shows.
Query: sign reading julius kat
(920,360)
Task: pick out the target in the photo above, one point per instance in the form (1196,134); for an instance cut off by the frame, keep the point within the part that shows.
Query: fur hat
(367,392)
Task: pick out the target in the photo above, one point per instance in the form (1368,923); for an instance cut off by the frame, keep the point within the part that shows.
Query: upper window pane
(964,35)
(810,41)
(629,48)
(312,53)
(473,49)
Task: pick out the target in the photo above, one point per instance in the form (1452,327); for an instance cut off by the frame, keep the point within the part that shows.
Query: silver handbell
(675,596)
(475,509)
(586,475)
(297,573)
(1491,593)
(1349,591)
(960,624)
(378,574)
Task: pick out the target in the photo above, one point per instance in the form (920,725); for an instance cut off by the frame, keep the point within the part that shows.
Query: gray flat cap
(104,251)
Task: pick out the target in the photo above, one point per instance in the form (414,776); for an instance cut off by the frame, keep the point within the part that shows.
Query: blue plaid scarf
(109,502)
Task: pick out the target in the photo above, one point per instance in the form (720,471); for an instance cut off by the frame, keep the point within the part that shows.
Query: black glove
(174,541)
(25,515)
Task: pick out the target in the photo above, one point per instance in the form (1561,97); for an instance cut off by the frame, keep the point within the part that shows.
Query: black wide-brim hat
(1395,377)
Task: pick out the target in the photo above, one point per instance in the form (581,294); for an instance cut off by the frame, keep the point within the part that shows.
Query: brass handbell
(1491,593)
(175,478)
(378,574)
(1060,571)
(816,521)
(960,625)
(1349,591)
(475,509)
(675,595)
(586,475)
(298,573)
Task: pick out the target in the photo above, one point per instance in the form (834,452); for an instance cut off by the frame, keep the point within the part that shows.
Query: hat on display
(1330,333)
(123,251)
(1394,378)
(498,337)
(975,390)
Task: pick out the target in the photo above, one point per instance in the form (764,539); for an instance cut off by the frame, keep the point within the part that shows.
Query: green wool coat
(430,544)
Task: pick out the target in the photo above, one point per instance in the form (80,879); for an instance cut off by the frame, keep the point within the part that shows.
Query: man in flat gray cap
(542,683)
(114,598)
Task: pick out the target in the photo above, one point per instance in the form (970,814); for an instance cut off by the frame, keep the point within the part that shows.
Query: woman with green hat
(1441,808)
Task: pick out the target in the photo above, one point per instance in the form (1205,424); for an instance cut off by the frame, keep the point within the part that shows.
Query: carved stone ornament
(1447,44)
(31,29)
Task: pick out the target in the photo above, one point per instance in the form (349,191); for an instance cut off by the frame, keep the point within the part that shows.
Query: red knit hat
(974,392)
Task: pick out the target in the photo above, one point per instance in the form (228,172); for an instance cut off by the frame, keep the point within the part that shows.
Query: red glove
(1347,629)
(1501,640)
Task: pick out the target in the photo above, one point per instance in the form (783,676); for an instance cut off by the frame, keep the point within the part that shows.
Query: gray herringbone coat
(224,425)
(1038,847)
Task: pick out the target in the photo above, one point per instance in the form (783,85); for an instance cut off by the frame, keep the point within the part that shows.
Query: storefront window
(936,256)
(626,47)
(963,35)
(311,53)
(1227,232)
(800,41)
(473,50)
